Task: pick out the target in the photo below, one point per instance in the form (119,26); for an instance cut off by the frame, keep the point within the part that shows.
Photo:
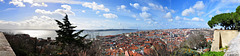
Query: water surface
(51,33)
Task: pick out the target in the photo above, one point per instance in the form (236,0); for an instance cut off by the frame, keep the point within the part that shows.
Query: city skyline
(109,14)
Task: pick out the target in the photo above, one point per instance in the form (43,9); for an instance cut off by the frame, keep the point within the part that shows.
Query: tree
(195,41)
(238,10)
(67,37)
(226,20)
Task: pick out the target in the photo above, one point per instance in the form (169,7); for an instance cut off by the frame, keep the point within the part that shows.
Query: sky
(112,14)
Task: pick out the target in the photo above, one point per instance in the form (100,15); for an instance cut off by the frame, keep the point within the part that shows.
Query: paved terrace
(5,48)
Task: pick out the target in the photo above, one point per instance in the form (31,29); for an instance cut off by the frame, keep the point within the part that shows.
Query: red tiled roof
(147,46)
(121,51)
(205,50)
(146,51)
(147,42)
(139,54)
(130,53)
(209,39)
(135,54)
(142,45)
(134,47)
(108,53)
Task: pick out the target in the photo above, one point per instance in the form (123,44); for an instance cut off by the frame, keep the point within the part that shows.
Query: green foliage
(224,48)
(210,53)
(20,42)
(209,44)
(238,10)
(226,20)
(67,37)
(186,52)
(195,41)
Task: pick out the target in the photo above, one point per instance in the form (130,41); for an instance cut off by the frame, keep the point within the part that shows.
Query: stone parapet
(5,48)
(221,38)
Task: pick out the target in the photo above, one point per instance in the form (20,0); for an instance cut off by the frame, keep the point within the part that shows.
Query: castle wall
(5,48)
(221,38)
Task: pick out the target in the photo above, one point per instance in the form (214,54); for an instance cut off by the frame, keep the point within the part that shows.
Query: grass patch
(210,53)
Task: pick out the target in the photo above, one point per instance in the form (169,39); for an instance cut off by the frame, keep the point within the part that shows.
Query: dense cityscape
(146,42)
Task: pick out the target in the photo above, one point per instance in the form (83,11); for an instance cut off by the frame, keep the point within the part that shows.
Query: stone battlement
(221,38)
(5,48)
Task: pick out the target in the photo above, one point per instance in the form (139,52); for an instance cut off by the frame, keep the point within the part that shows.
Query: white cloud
(210,16)
(170,20)
(186,12)
(222,5)
(97,12)
(160,7)
(19,3)
(145,8)
(1,1)
(200,13)
(218,12)
(83,11)
(123,7)
(138,19)
(66,7)
(110,15)
(135,5)
(168,15)
(227,11)
(213,0)
(9,9)
(199,5)
(38,5)
(43,11)
(231,1)
(28,1)
(155,22)
(217,7)
(197,19)
(166,8)
(95,6)
(172,11)
(134,16)
(59,1)
(146,16)
(177,18)
(67,10)
(149,22)
(42,22)
(193,19)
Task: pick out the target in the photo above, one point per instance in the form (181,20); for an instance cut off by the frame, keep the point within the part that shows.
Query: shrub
(210,53)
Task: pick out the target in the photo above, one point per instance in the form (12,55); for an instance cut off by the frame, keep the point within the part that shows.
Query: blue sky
(112,14)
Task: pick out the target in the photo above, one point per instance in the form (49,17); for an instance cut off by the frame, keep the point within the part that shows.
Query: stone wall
(5,48)
(221,38)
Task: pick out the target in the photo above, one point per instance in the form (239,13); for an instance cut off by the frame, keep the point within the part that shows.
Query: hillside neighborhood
(148,42)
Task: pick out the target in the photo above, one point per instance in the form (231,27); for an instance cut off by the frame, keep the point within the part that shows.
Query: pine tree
(66,35)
